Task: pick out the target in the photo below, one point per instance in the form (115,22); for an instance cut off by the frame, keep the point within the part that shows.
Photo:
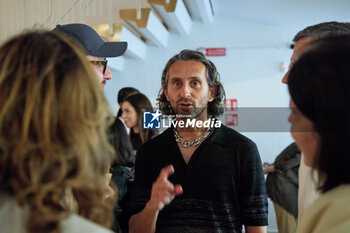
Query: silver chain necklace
(184,143)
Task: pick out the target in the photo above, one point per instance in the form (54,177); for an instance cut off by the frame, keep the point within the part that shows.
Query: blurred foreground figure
(53,120)
(320,125)
(307,190)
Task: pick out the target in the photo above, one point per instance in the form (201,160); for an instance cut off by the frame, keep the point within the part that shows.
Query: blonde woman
(53,120)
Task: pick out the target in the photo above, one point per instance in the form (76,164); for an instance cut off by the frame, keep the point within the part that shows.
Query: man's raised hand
(163,191)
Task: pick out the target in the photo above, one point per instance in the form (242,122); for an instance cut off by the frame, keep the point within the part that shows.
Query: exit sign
(213,52)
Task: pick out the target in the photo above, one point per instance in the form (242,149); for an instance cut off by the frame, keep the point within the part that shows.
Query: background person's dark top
(282,185)
(223,183)
(136,141)
(122,176)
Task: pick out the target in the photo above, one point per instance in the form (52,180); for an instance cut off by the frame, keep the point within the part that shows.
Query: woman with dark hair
(121,170)
(122,145)
(133,107)
(124,92)
(319,85)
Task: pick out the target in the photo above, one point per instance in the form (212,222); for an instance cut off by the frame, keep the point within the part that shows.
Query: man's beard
(191,113)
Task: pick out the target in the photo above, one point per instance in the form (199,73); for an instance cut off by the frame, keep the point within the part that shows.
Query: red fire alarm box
(231,119)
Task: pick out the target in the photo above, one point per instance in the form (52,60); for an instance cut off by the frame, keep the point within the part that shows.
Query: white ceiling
(296,13)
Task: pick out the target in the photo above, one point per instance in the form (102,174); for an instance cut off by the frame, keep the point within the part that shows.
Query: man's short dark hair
(323,30)
(216,107)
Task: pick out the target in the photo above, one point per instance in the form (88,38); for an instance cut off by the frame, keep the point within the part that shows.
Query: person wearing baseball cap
(96,49)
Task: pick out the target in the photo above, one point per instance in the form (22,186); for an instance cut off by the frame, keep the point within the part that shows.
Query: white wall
(250,72)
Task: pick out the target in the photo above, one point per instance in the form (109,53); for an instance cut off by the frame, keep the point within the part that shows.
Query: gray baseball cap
(92,43)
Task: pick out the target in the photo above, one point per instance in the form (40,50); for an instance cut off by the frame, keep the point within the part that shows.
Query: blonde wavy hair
(53,121)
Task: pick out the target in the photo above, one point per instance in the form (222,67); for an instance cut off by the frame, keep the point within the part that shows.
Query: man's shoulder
(159,140)
(231,138)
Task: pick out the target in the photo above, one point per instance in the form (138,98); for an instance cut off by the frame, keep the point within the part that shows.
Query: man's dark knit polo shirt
(223,183)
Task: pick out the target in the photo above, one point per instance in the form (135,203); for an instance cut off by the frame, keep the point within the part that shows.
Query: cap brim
(111,49)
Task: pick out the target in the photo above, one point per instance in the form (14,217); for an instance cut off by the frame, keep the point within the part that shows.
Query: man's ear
(212,92)
(165,93)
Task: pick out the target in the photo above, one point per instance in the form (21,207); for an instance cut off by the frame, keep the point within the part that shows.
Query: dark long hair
(141,103)
(122,94)
(216,107)
(319,85)
(120,140)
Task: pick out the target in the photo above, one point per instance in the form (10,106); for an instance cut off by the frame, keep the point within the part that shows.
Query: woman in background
(122,93)
(133,107)
(121,170)
(319,85)
(53,121)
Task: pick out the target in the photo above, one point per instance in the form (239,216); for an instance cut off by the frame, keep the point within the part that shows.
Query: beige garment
(13,219)
(307,192)
(286,222)
(330,213)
